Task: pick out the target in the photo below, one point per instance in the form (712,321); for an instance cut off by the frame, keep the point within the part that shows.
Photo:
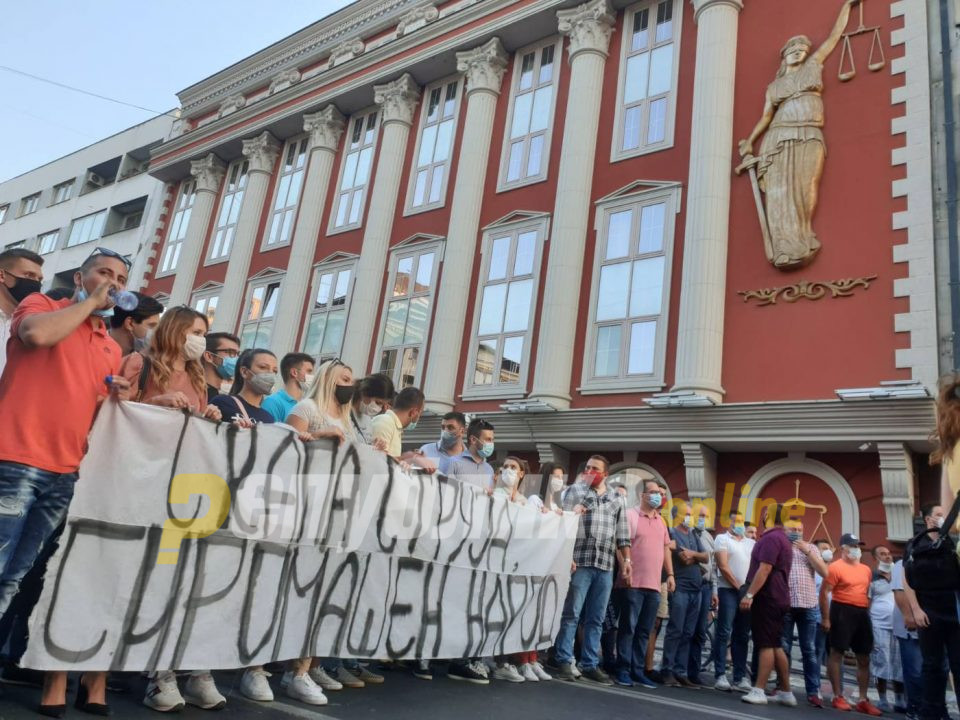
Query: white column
(325,128)
(484,67)
(897,478)
(209,172)
(703,286)
(261,153)
(700,463)
(397,101)
(588,26)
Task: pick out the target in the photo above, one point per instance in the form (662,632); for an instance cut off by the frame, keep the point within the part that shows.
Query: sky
(139,52)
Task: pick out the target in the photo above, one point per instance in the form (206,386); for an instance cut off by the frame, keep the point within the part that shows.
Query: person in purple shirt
(767,600)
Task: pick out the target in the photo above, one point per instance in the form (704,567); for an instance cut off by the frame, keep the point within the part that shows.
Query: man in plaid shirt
(603,535)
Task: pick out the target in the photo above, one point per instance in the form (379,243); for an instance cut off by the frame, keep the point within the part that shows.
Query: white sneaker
(756,696)
(347,678)
(576,671)
(304,689)
(254,685)
(202,692)
(786,698)
(743,686)
(722,684)
(320,677)
(528,673)
(540,672)
(507,672)
(163,694)
(480,668)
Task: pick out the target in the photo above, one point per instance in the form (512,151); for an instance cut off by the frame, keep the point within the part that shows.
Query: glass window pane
(661,69)
(444,140)
(342,205)
(612,294)
(643,338)
(651,228)
(388,362)
(343,284)
(256,302)
(535,158)
(635,83)
(518,306)
(646,291)
(484,362)
(526,250)
(450,100)
(363,166)
(433,104)
(510,361)
(521,115)
(546,64)
(356,205)
(408,367)
(499,254)
(248,337)
(424,273)
(436,184)
(618,234)
(657,126)
(270,306)
(420,190)
(631,128)
(349,170)
(607,361)
(427,143)
(333,337)
(396,321)
(401,284)
(516,158)
(541,108)
(640,24)
(315,328)
(286,230)
(526,71)
(491,309)
(664,20)
(416,321)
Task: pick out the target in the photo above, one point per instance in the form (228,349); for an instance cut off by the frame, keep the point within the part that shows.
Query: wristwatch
(749,596)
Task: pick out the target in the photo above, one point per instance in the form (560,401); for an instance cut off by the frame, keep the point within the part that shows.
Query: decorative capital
(231,105)
(261,152)
(347,50)
(284,80)
(325,128)
(209,172)
(416,18)
(398,99)
(483,66)
(588,26)
(700,5)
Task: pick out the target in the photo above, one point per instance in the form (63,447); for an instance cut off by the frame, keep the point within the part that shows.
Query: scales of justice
(822,509)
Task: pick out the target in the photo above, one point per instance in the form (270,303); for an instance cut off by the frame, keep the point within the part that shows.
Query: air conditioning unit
(132,220)
(144,166)
(95,180)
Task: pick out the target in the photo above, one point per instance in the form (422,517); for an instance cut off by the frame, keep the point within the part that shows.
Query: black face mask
(344,394)
(23,287)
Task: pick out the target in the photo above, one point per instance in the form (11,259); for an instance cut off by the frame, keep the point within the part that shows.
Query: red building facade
(529,209)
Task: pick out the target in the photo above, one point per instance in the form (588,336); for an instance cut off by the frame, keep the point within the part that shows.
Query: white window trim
(332,229)
(205,292)
(540,222)
(409,209)
(262,279)
(209,260)
(173,216)
(616,154)
(56,245)
(502,184)
(23,204)
(278,175)
(421,244)
(329,265)
(53,197)
(4,216)
(73,223)
(670,193)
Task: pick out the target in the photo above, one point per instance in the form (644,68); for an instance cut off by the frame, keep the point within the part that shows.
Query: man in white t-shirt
(885,664)
(732,553)
(905,632)
(20,275)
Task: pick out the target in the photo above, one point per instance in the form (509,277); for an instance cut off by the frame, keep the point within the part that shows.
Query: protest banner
(192,545)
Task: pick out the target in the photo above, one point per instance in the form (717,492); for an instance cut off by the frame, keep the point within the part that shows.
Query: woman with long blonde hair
(324,411)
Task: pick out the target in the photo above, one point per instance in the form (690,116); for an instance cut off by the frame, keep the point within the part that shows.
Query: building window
(178,227)
(646,94)
(355,172)
(630,292)
(500,351)
(332,285)
(48,242)
(530,119)
(438,124)
(3,212)
(261,307)
(62,192)
(229,210)
(406,317)
(287,197)
(206,303)
(16,245)
(87,228)
(29,204)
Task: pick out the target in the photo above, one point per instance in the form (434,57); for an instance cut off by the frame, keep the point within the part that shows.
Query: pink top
(179,381)
(648,538)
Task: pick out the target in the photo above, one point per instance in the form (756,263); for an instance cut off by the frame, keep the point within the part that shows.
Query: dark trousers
(940,639)
(699,638)
(912,662)
(638,613)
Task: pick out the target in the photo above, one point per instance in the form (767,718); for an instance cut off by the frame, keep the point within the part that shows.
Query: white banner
(191,545)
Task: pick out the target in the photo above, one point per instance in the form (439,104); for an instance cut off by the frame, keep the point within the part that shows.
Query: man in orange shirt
(847,618)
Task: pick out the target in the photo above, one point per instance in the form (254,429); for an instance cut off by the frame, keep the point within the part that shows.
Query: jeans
(806,621)
(699,638)
(941,637)
(912,662)
(638,613)
(733,626)
(33,504)
(684,614)
(588,593)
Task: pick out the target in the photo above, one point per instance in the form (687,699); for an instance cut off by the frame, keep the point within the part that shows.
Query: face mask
(854,553)
(448,439)
(194,347)
(307,381)
(485,450)
(740,530)
(262,383)
(794,535)
(104,313)
(688,521)
(556,484)
(23,287)
(939,522)
(411,426)
(343,394)
(228,368)
(655,500)
(885,567)
(371,409)
(827,555)
(701,523)
(140,344)
(509,477)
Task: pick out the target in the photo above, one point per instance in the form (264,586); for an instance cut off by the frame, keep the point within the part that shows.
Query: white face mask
(371,409)
(509,477)
(194,347)
(940,522)
(885,567)
(556,484)
(827,555)
(307,381)
(854,553)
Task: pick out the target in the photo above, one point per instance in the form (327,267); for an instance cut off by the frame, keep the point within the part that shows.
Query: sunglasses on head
(107,252)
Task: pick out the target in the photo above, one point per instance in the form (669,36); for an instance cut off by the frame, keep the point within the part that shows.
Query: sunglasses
(111,254)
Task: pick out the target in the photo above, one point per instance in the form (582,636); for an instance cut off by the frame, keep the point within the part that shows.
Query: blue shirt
(465,469)
(688,577)
(279,405)
(435,452)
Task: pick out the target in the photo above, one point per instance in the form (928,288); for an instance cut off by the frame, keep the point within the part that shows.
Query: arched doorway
(633,474)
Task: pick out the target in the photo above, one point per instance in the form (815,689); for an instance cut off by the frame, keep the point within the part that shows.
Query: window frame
(226,195)
(264,279)
(186,214)
(617,153)
(332,227)
(68,184)
(56,242)
(503,185)
(4,212)
(409,207)
(35,197)
(670,195)
(540,223)
(411,248)
(205,294)
(73,224)
(265,243)
(333,265)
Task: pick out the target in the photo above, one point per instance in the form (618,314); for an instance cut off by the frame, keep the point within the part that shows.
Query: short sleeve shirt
(688,577)
(317,420)
(466,469)
(279,405)
(5,321)
(179,381)
(851,583)
(387,427)
(231,411)
(775,549)
(738,557)
(648,539)
(896,585)
(435,452)
(882,603)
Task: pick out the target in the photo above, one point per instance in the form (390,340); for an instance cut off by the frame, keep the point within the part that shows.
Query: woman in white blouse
(324,411)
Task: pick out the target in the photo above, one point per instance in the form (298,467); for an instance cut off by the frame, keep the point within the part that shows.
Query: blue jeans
(588,593)
(33,504)
(684,614)
(806,621)
(733,627)
(699,638)
(638,613)
(912,662)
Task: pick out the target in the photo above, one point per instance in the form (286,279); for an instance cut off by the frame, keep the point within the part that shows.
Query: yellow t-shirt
(387,427)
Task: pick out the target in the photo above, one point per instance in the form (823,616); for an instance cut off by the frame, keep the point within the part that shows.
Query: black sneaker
(654,675)
(598,676)
(421,669)
(566,672)
(468,672)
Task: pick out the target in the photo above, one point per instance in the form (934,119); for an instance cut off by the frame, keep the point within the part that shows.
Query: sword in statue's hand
(750,162)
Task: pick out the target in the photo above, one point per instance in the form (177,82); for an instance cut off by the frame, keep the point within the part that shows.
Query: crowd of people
(642,565)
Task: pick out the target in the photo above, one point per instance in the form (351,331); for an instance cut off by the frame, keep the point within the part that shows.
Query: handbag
(931,564)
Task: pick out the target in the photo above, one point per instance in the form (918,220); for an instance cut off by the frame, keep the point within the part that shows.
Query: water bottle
(124,299)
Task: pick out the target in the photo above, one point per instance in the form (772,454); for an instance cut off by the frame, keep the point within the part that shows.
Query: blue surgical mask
(740,530)
(655,500)
(105,313)
(227,368)
(411,426)
(794,535)
(701,523)
(485,450)
(448,439)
